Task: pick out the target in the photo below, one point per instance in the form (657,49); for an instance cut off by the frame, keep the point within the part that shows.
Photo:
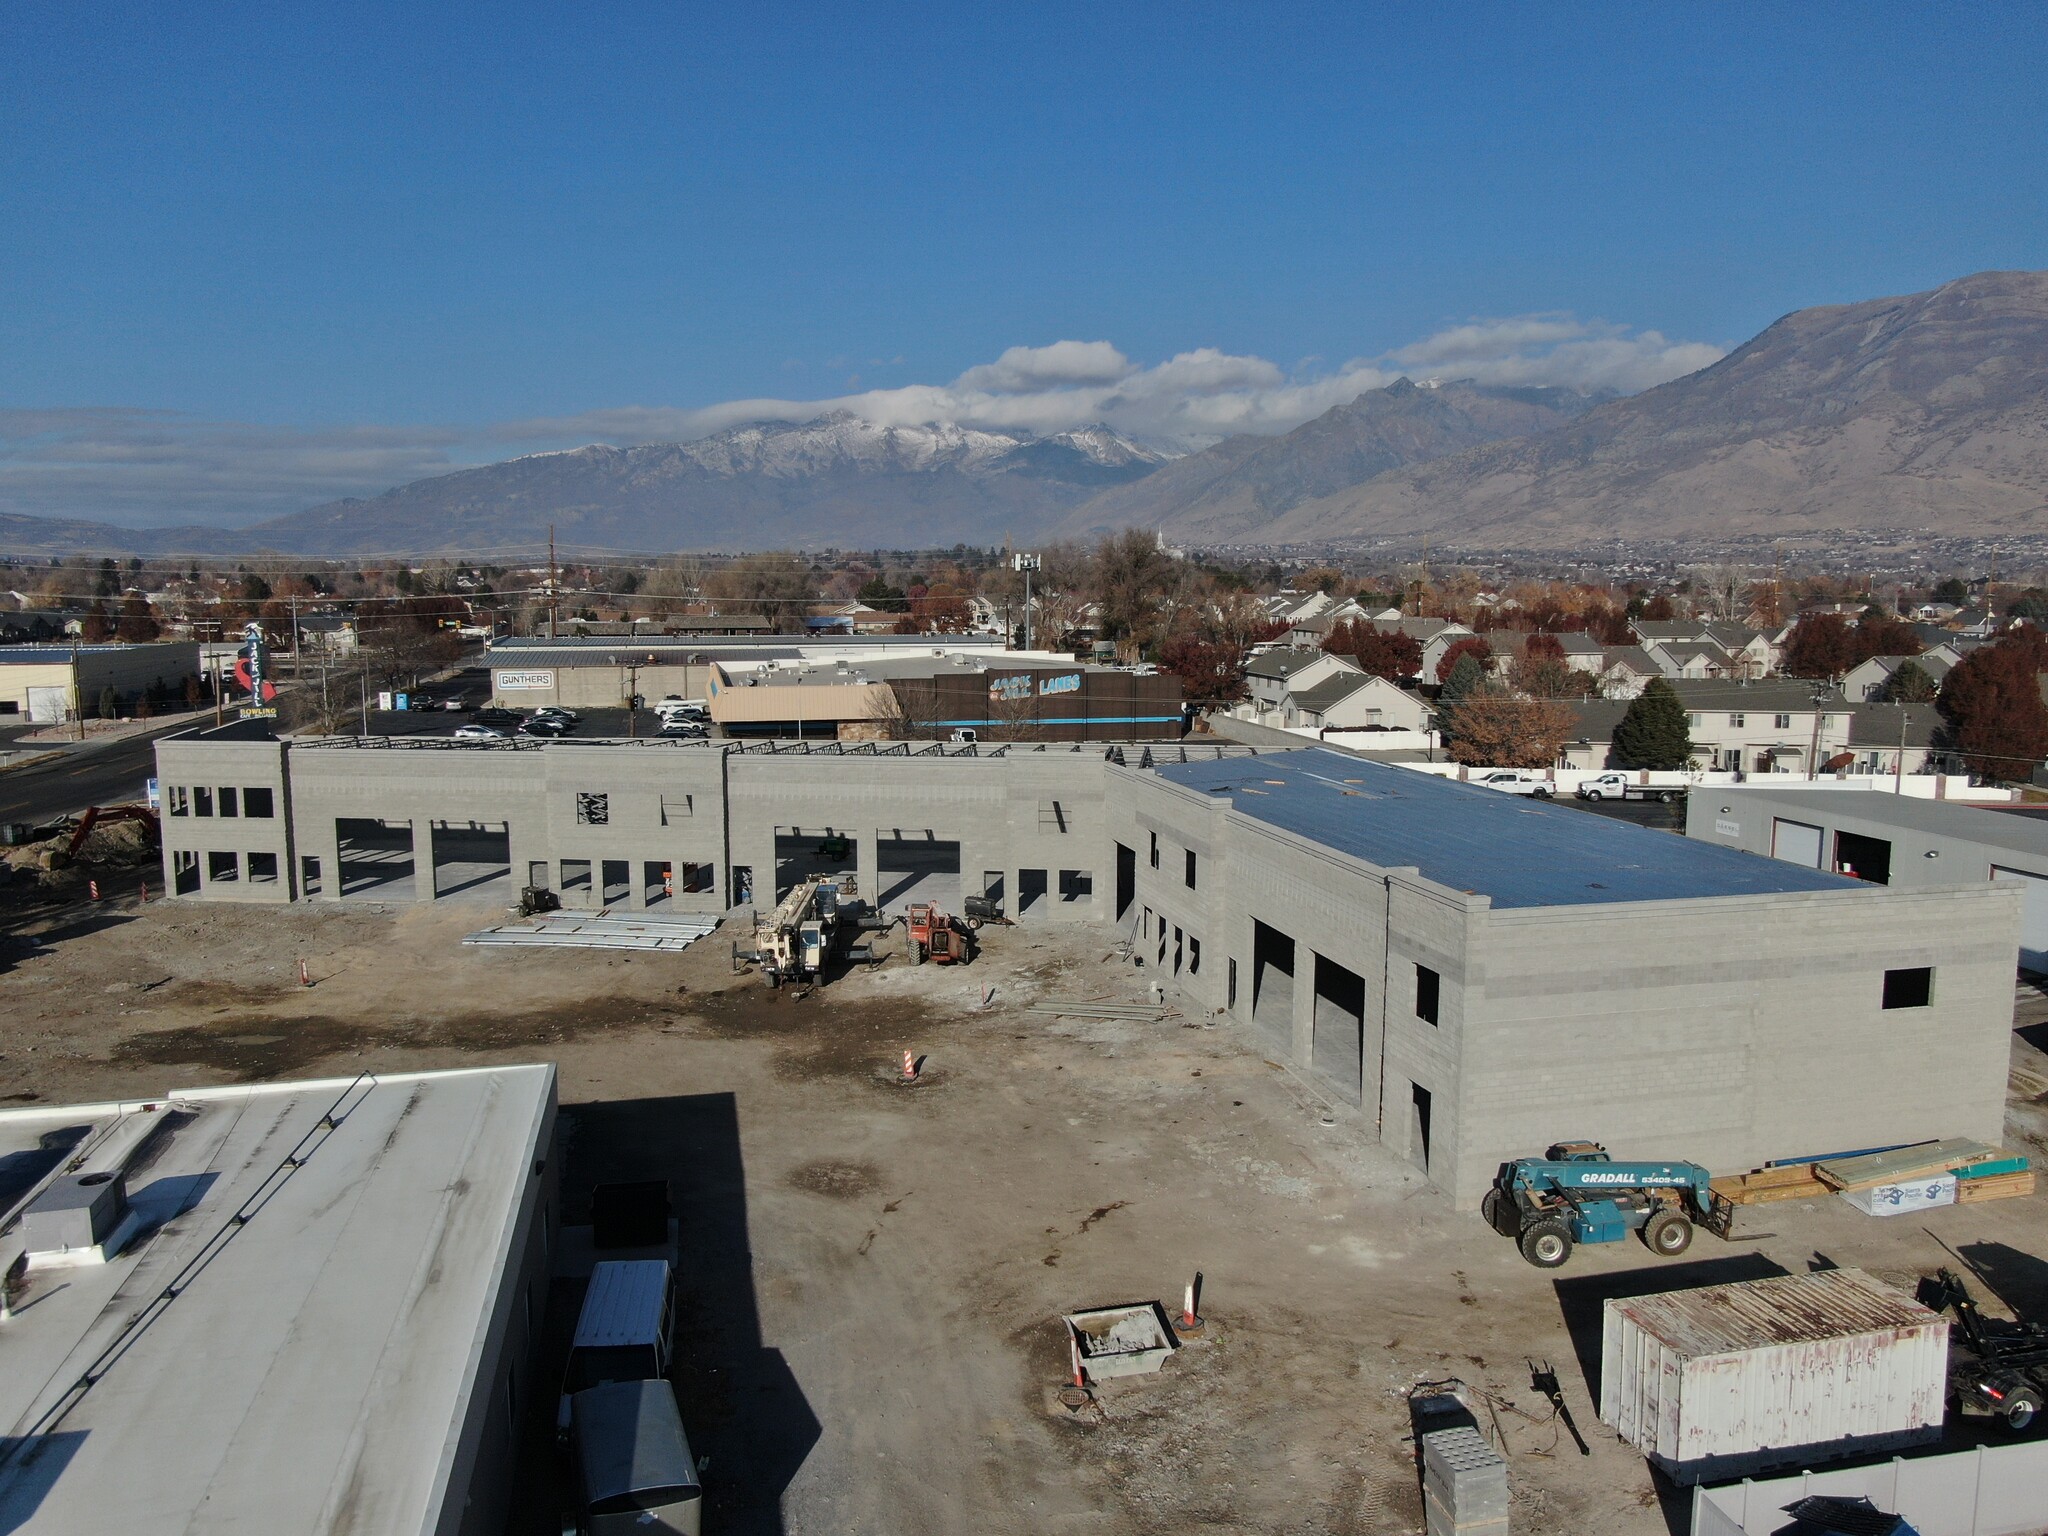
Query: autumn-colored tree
(1992,711)
(1384,653)
(940,610)
(1497,731)
(1210,671)
(1820,645)
(1658,610)
(136,623)
(1474,646)
(96,628)
(1878,634)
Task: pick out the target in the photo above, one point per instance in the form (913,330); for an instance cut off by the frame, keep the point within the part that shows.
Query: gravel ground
(873,1274)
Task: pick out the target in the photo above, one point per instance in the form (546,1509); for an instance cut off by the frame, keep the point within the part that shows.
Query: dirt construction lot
(873,1274)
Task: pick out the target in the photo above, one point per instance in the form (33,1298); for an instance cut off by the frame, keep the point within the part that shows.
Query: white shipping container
(1727,1380)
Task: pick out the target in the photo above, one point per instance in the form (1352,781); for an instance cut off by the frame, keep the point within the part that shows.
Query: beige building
(53,683)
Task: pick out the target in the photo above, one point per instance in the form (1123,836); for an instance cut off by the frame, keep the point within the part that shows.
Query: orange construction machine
(936,937)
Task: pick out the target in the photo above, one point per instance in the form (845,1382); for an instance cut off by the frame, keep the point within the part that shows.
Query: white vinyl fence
(1991,1491)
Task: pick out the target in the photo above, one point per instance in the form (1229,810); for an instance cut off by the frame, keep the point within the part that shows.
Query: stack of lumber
(2000,1178)
(1787,1181)
(1982,1173)
(1903,1165)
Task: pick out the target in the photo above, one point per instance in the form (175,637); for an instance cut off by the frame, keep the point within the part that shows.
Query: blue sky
(254,257)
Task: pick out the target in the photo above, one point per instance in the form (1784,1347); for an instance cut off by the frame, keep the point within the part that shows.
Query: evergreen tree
(1909,684)
(1463,679)
(1654,733)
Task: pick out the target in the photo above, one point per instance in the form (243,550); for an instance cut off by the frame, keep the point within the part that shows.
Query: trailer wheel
(2022,1407)
(1668,1234)
(1669,797)
(1547,1243)
(1499,1212)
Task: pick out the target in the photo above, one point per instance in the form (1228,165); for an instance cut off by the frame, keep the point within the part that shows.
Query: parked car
(475,732)
(1518,781)
(672,709)
(557,712)
(623,1331)
(1622,786)
(546,725)
(491,716)
(684,728)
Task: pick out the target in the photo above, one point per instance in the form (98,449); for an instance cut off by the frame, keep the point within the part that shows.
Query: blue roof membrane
(1520,851)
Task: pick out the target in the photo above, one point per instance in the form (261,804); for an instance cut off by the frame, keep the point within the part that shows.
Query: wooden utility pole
(553,585)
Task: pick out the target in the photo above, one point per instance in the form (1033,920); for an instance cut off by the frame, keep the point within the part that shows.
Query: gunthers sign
(515,680)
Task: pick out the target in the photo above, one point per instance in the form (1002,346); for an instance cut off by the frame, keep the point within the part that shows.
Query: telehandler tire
(1667,1234)
(1499,1212)
(1547,1243)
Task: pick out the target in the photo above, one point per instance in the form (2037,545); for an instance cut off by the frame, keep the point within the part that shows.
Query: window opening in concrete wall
(1191,869)
(1428,989)
(593,810)
(1909,988)
(227,802)
(676,807)
(802,852)
(1155,850)
(576,882)
(1418,1142)
(1867,858)
(657,882)
(222,866)
(1339,1043)
(1179,949)
(695,878)
(177,802)
(259,802)
(263,869)
(1162,943)
(1052,816)
(917,867)
(1194,954)
(537,875)
(309,875)
(470,856)
(184,872)
(1126,879)
(1077,885)
(992,884)
(1230,990)
(1031,888)
(1272,979)
(742,886)
(374,859)
(202,800)
(618,882)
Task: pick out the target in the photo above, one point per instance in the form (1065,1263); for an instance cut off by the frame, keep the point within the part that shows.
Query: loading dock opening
(1867,858)
(801,852)
(1272,979)
(1126,879)
(469,856)
(910,867)
(374,859)
(1340,1027)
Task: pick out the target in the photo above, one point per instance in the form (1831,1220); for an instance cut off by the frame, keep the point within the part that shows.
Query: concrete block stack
(1464,1485)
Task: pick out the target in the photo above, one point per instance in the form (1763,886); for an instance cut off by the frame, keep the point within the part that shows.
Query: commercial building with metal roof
(57,682)
(1480,976)
(299,1307)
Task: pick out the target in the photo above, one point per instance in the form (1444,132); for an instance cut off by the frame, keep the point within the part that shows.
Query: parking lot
(872,1275)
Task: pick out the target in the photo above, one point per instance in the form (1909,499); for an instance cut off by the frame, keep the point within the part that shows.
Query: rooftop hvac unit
(81,1218)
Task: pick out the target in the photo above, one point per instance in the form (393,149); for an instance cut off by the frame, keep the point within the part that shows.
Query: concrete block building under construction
(1476,974)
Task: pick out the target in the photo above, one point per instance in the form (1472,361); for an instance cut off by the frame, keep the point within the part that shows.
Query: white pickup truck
(1622,786)
(1518,781)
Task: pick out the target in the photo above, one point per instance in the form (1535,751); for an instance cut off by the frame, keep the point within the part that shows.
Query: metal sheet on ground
(602,929)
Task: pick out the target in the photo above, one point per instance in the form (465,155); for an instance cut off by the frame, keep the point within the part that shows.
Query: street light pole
(1026,564)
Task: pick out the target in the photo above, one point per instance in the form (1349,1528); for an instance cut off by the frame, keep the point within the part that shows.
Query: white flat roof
(307,1369)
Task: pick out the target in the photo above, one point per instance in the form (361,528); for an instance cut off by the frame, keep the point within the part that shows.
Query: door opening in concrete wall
(1179,949)
(657,882)
(916,867)
(992,884)
(1162,943)
(374,859)
(1339,1052)
(1233,985)
(617,875)
(801,852)
(1867,858)
(1030,892)
(1126,879)
(742,885)
(472,858)
(1272,979)
(309,875)
(1418,1137)
(576,890)
(184,872)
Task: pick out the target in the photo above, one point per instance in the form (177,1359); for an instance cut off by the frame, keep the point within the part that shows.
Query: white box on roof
(1725,1380)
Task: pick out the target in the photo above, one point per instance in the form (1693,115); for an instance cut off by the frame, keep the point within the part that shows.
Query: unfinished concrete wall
(213,847)
(1734,1030)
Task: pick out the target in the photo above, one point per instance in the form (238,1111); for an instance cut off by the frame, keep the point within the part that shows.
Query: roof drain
(350,1100)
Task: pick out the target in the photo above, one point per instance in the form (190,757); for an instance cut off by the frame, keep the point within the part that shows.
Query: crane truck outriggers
(1575,1193)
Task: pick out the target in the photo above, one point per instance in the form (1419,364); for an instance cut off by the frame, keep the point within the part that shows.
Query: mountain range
(1927,413)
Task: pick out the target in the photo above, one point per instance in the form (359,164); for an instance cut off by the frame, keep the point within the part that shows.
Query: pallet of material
(1997,1186)
(1794,1181)
(1904,1164)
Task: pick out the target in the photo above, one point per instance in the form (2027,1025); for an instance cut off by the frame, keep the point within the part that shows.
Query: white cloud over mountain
(137,466)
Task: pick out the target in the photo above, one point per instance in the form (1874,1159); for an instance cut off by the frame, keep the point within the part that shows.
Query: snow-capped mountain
(839,479)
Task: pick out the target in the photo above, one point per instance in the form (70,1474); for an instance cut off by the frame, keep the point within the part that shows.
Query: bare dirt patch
(835,1180)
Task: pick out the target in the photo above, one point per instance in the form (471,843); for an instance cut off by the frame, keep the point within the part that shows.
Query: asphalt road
(114,773)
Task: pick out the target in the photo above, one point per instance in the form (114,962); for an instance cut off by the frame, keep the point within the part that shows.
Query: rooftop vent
(81,1218)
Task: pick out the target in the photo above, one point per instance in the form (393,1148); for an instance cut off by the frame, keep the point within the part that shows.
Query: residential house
(1435,636)
(1881,734)
(1773,726)
(1271,677)
(1868,680)
(1356,701)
